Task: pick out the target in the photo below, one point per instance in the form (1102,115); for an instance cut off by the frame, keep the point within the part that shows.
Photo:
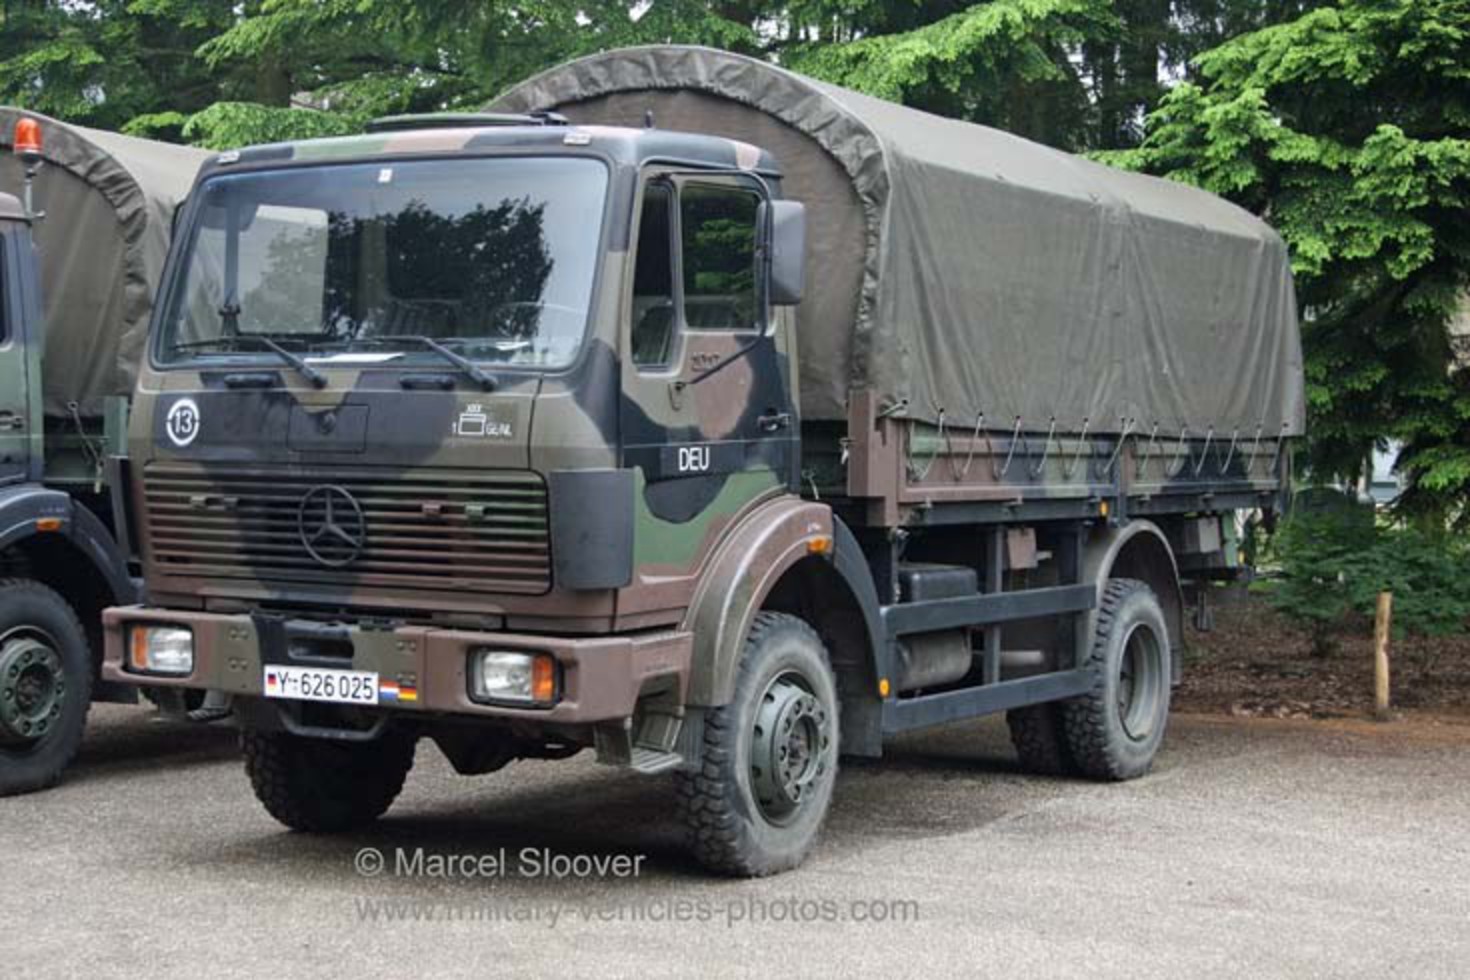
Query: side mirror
(786,221)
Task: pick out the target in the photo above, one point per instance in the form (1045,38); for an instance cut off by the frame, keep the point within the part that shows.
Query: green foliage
(167,126)
(1075,73)
(1349,129)
(953,64)
(1333,563)
(1346,123)
(231,124)
(105,62)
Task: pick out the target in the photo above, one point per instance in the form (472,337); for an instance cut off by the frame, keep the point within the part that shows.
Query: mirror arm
(726,362)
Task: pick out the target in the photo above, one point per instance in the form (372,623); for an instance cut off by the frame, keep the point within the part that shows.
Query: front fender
(26,513)
(749,563)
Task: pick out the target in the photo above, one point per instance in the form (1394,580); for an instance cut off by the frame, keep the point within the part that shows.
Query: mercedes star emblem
(332,526)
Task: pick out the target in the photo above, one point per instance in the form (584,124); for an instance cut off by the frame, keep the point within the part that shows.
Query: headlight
(501,675)
(161,650)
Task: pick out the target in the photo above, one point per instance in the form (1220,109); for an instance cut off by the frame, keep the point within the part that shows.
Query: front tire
(45,686)
(1115,729)
(324,786)
(757,803)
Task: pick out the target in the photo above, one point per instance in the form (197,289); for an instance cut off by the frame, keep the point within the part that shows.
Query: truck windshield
(493,258)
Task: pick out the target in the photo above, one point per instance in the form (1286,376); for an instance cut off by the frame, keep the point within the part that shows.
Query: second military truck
(76,289)
(700,414)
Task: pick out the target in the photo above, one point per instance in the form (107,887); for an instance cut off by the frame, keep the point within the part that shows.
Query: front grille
(483,531)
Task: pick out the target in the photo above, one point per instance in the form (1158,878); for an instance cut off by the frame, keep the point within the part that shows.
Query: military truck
(64,378)
(701,414)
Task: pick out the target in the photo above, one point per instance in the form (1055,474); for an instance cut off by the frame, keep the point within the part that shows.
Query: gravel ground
(1256,847)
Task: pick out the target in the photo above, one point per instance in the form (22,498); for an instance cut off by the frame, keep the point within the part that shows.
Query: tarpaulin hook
(1280,446)
(95,450)
(1071,466)
(1011,452)
(1205,452)
(1036,470)
(919,476)
(1148,451)
(963,471)
(897,408)
(1118,449)
(1178,466)
(1234,435)
(1255,450)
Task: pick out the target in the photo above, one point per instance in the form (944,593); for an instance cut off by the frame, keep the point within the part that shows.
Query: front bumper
(601,677)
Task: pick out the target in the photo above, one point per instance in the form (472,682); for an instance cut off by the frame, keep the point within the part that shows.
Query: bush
(1333,563)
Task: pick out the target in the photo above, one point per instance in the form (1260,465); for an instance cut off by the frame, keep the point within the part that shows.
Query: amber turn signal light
(543,679)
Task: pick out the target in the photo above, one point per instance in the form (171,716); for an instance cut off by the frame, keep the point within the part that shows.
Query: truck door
(19,404)
(706,411)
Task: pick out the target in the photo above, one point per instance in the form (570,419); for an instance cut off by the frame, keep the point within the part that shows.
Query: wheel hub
(1140,683)
(791,748)
(32,688)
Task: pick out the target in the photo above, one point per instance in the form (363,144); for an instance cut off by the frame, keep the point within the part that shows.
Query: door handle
(10,422)
(774,422)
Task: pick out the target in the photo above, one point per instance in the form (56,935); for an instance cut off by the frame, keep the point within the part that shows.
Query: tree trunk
(272,83)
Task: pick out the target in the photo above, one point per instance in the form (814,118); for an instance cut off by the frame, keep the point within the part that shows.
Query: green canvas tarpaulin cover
(958,268)
(109,202)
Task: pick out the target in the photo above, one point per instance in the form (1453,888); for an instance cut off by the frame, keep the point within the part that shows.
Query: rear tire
(324,786)
(1115,729)
(45,686)
(761,794)
(1038,733)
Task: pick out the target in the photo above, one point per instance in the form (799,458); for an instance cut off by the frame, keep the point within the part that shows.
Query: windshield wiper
(469,367)
(234,341)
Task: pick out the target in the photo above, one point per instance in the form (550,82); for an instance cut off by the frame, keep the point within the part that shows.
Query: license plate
(321,684)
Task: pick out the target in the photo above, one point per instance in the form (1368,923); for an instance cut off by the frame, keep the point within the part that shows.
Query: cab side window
(653,281)
(718,231)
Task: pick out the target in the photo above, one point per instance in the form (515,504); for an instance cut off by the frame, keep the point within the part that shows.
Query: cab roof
(622,145)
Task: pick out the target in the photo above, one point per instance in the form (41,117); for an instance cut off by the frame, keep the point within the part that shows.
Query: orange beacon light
(27,140)
(27,145)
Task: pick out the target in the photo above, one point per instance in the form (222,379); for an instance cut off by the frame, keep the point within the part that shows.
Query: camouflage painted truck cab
(78,262)
(526,435)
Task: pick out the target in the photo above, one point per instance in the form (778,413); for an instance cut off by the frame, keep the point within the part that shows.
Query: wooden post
(1381,624)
